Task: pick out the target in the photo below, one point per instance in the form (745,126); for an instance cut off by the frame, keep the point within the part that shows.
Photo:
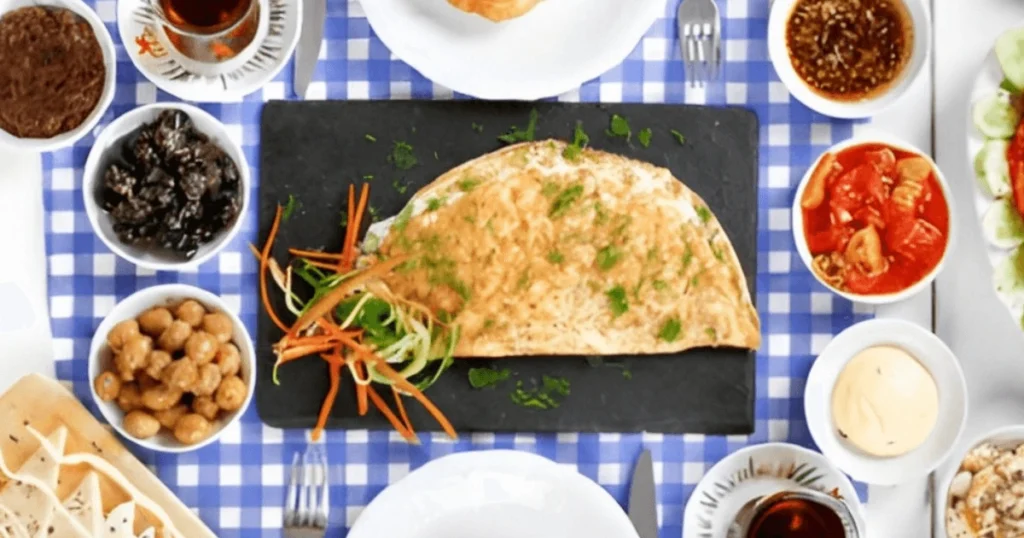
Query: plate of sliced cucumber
(995,140)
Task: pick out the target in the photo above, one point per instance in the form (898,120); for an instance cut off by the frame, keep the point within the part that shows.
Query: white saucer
(933,354)
(757,471)
(280,21)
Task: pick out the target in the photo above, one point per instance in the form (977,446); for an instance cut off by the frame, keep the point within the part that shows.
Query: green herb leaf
(549,189)
(482,378)
(564,200)
(290,207)
(1008,86)
(515,135)
(617,301)
(580,139)
(524,280)
(402,220)
(704,214)
(370,137)
(659,285)
(468,184)
(608,256)
(555,257)
(489,323)
(469,218)
(644,136)
(600,214)
(712,333)
(477,127)
(374,214)
(434,204)
(687,257)
(548,395)
(678,136)
(368,177)
(400,186)
(402,156)
(620,127)
(719,255)
(670,330)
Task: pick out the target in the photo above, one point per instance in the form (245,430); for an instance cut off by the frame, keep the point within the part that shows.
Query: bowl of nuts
(172,367)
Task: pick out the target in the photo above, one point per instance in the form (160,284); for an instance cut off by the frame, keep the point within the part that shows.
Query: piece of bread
(496,10)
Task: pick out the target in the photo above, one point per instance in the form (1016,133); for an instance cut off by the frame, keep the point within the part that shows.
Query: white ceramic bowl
(101,357)
(62,140)
(779,53)
(109,142)
(933,354)
(805,252)
(1004,438)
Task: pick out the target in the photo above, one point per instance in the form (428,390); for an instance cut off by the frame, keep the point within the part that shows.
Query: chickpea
(146,381)
(169,417)
(190,312)
(133,355)
(228,359)
(160,397)
(201,347)
(180,374)
(191,429)
(155,321)
(129,398)
(173,339)
(121,332)
(141,425)
(107,386)
(205,406)
(208,380)
(231,394)
(220,326)
(158,360)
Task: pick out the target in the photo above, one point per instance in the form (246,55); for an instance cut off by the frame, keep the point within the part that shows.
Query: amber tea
(796,518)
(205,15)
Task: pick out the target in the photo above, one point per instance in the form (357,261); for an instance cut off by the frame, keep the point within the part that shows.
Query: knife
(643,504)
(307,52)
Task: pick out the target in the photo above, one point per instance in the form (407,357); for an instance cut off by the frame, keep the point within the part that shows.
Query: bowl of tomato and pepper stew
(872,220)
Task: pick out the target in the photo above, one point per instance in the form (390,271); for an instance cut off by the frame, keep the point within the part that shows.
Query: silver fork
(309,496)
(700,36)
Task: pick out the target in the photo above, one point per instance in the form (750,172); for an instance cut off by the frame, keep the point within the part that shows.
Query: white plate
(985,84)
(498,494)
(163,65)
(757,471)
(553,49)
(933,354)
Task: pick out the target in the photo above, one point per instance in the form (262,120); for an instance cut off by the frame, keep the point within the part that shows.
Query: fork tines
(308,503)
(700,39)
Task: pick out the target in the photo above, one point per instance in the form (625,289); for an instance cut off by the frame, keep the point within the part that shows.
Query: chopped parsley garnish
(290,207)
(368,177)
(678,136)
(515,135)
(1007,86)
(579,141)
(670,330)
(344,218)
(704,214)
(617,301)
(620,127)
(636,289)
(644,136)
(477,127)
(600,214)
(549,189)
(548,395)
(659,285)
(687,257)
(695,281)
(716,251)
(482,378)
(400,186)
(627,374)
(469,218)
(370,138)
(402,220)
(652,254)
(489,323)
(402,156)
(555,257)
(524,280)
(608,256)
(564,200)
(468,184)
(374,214)
(434,204)
(711,332)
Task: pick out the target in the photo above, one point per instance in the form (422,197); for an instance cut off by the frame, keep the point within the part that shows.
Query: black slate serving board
(314,150)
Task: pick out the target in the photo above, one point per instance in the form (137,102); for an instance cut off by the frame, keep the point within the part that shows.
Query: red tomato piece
(916,239)
(855,189)
(1015,156)
(831,240)
(858,282)
(884,160)
(868,215)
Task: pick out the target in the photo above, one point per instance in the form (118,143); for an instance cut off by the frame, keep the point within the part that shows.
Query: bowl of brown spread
(57,73)
(848,58)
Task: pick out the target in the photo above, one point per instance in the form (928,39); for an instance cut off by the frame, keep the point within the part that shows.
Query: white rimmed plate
(757,471)
(933,354)
(553,49)
(63,140)
(498,494)
(147,45)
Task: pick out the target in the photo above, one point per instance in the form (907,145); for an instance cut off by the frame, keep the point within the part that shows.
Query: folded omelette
(536,250)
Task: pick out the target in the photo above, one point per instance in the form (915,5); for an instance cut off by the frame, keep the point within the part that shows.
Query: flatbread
(496,10)
(84,505)
(537,253)
(32,507)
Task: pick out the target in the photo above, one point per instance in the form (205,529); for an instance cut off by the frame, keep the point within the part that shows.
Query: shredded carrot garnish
(401,410)
(320,264)
(264,257)
(314,254)
(349,232)
(335,361)
(361,390)
(388,414)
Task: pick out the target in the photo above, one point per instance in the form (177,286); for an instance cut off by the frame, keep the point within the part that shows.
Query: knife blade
(643,504)
(307,52)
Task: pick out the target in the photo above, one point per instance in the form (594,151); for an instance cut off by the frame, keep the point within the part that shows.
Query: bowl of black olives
(166,187)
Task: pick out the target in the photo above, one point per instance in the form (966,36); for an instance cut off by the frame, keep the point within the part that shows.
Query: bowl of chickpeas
(171,367)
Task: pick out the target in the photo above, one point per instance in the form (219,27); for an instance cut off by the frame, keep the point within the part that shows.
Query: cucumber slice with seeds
(995,117)
(1010,53)
(992,169)
(1002,224)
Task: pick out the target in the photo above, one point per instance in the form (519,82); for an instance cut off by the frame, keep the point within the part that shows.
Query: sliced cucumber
(1010,53)
(1008,278)
(991,168)
(995,117)
(1002,224)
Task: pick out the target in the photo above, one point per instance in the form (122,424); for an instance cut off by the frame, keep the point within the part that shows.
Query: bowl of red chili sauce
(872,220)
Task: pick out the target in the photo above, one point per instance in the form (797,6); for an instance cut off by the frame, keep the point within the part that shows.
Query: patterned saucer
(148,46)
(757,471)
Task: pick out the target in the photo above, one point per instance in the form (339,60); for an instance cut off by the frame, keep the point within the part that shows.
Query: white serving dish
(1004,437)
(933,354)
(801,241)
(779,54)
(39,145)
(109,141)
(100,357)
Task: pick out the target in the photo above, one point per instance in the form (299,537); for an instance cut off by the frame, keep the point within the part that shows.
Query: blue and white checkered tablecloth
(237,485)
